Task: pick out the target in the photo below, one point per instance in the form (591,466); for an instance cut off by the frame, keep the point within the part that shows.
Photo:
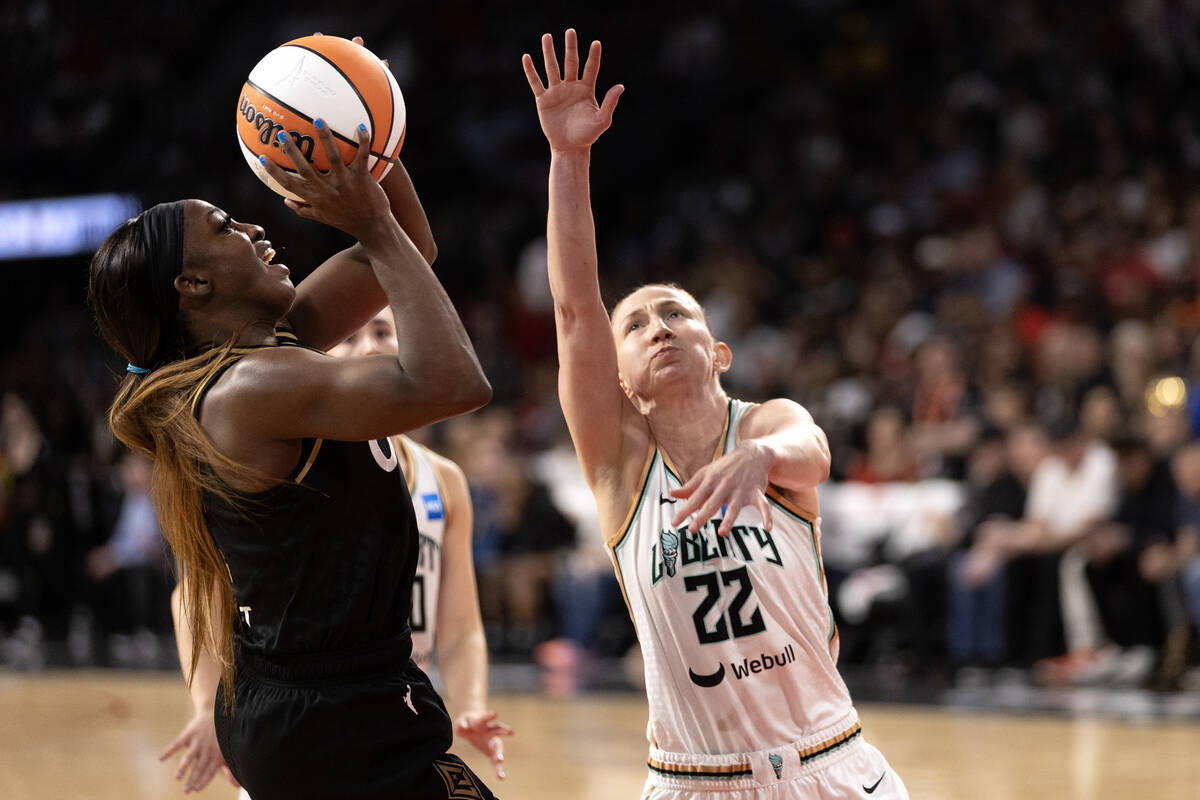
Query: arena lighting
(61,226)
(1166,395)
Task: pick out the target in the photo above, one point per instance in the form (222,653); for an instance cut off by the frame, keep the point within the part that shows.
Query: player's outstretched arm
(461,647)
(572,120)
(198,740)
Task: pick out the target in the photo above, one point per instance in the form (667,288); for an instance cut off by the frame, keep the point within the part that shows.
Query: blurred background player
(708,504)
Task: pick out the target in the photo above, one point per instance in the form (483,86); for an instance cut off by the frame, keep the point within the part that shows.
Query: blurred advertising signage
(61,226)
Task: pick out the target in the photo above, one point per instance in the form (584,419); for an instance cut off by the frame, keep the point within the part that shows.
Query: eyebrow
(665,303)
(625,317)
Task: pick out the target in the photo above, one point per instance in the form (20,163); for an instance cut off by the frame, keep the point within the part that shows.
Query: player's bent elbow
(428,251)
(481,394)
(469,395)
(823,467)
(822,464)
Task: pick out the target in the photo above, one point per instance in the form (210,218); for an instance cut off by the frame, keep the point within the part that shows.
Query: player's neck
(218,329)
(689,427)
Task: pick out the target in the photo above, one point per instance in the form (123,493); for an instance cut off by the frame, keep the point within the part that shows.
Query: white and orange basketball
(341,82)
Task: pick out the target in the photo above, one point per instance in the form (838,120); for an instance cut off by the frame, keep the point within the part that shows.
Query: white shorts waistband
(762,767)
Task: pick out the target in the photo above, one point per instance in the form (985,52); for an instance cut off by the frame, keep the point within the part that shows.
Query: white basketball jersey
(737,636)
(430,505)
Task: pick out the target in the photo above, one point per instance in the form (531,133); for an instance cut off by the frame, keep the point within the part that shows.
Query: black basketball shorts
(359,725)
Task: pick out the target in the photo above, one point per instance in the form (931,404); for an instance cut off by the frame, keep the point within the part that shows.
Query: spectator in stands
(38,548)
(991,581)
(586,592)
(132,573)
(1129,608)
(944,425)
(519,533)
(1073,490)
(888,455)
(976,578)
(1172,564)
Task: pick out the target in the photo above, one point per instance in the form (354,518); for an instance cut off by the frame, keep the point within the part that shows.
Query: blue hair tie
(136,370)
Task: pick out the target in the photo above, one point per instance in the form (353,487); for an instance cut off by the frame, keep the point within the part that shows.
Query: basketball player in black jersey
(448,574)
(274,481)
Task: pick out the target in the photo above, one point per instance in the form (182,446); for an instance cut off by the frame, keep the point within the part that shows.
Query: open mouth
(267,256)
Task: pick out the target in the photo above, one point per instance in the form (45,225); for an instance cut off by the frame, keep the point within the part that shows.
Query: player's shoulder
(771,415)
(448,472)
(292,363)
(265,374)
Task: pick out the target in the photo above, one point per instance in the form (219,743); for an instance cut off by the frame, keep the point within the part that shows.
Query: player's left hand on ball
(483,732)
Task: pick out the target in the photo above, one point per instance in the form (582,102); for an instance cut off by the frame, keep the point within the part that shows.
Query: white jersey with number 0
(738,640)
(429,503)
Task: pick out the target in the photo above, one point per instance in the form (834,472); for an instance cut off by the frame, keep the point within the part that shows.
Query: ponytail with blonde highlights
(152,414)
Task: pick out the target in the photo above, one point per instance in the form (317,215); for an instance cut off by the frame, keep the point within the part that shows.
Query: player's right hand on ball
(346,197)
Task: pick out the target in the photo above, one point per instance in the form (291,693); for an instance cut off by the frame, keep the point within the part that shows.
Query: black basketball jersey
(325,560)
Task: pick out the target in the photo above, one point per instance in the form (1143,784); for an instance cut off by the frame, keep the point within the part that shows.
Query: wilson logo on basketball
(329,78)
(267,128)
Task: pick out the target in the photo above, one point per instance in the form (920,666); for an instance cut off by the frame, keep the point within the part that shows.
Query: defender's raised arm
(572,121)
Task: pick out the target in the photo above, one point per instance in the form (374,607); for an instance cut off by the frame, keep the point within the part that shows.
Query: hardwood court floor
(96,735)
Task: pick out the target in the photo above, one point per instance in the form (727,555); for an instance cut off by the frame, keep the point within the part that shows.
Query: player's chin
(670,374)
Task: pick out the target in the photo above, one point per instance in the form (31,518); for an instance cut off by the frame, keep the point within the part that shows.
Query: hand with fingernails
(346,197)
(734,481)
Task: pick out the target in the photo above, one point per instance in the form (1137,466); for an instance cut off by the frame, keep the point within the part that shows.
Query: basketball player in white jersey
(709,506)
(444,598)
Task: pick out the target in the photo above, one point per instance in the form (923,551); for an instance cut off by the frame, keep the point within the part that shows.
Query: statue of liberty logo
(670,551)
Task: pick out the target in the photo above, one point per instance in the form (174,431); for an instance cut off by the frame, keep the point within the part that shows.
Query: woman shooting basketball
(294,533)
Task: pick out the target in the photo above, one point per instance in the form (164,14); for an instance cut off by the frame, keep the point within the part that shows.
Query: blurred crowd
(963,234)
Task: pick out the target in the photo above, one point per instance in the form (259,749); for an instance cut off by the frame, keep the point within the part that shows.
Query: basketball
(326,77)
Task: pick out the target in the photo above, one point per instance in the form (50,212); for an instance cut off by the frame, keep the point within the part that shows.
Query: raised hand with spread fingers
(570,116)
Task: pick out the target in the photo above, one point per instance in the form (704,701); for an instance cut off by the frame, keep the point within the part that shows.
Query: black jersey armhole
(201,391)
(308,447)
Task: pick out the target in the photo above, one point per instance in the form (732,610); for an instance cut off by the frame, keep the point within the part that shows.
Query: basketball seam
(309,119)
(392,100)
(361,99)
(390,81)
